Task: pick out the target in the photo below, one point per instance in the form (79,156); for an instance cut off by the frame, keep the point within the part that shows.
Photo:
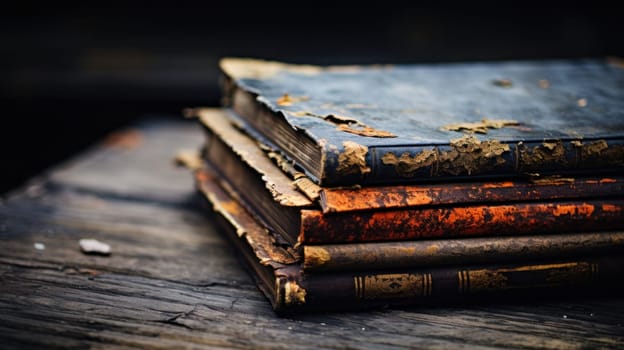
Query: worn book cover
(299,212)
(346,125)
(280,275)
(459,251)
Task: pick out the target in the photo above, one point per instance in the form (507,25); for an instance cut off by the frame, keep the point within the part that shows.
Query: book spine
(360,289)
(409,254)
(260,121)
(467,157)
(465,221)
(336,200)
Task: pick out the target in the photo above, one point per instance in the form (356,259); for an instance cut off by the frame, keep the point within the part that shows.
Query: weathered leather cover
(435,252)
(462,221)
(341,200)
(406,123)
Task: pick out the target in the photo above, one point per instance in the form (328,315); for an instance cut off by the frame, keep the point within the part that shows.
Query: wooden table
(173,282)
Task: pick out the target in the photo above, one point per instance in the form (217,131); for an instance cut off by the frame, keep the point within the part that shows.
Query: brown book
(280,275)
(408,254)
(380,213)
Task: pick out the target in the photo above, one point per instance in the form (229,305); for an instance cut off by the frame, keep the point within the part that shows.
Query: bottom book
(280,275)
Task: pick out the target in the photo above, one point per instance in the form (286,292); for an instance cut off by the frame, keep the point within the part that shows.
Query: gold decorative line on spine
(361,282)
(362,288)
(461,282)
(429,284)
(358,286)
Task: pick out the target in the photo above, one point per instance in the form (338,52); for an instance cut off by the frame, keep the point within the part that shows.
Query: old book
(346,125)
(462,251)
(464,209)
(280,275)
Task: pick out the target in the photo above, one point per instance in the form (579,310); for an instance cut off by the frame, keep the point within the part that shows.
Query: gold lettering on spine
(387,286)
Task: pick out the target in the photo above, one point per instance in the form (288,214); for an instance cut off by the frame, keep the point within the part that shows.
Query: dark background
(71,74)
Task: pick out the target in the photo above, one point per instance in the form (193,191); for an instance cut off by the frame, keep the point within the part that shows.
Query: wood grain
(173,282)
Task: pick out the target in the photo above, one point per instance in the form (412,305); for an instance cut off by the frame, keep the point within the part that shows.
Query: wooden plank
(136,161)
(173,282)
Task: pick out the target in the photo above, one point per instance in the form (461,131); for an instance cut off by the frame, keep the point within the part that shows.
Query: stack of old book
(366,185)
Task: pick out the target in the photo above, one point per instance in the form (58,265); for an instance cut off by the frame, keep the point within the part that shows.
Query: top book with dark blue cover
(386,124)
